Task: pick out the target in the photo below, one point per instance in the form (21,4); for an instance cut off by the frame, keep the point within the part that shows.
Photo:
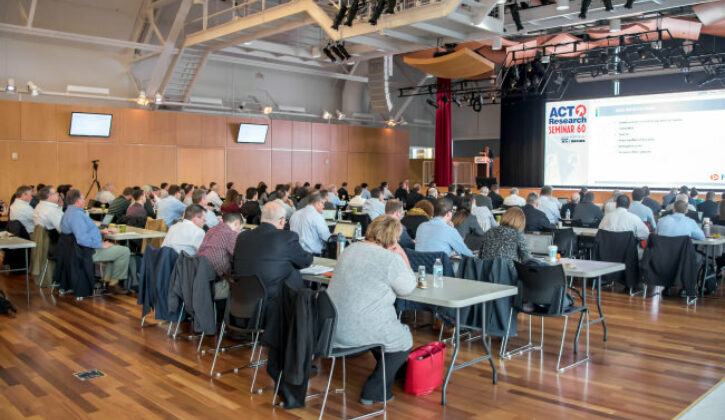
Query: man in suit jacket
(272,253)
(496,199)
(451,194)
(709,207)
(587,212)
(413,197)
(536,220)
(649,202)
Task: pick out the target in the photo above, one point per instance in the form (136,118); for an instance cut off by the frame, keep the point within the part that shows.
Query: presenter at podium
(489,161)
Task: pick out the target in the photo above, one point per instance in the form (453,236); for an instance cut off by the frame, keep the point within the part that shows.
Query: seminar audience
(677,224)
(438,234)
(170,209)
(507,240)
(309,224)
(422,212)
(137,209)
(199,197)
(621,220)
(536,220)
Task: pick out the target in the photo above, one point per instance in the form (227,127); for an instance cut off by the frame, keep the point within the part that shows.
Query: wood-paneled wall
(150,147)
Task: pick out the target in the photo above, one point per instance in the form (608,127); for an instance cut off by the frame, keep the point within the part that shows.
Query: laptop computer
(347,229)
(107,219)
(563,201)
(539,244)
(329,214)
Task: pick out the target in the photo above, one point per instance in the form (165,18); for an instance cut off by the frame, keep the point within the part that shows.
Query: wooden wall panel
(320,168)
(37,121)
(162,127)
(37,162)
(201,166)
(9,120)
(281,134)
(321,136)
(357,168)
(188,129)
(213,131)
(136,126)
(301,166)
(338,168)
(247,167)
(339,138)
(281,167)
(301,132)
(75,167)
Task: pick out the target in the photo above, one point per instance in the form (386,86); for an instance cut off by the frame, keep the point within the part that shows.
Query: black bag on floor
(5,305)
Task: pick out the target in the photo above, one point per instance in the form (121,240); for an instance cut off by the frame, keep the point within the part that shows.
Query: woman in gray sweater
(368,277)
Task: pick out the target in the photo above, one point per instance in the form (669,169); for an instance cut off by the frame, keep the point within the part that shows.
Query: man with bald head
(272,253)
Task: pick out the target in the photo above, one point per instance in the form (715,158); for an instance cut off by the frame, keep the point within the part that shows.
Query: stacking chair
(53,237)
(243,313)
(619,247)
(670,261)
(544,291)
(566,242)
(158,225)
(327,315)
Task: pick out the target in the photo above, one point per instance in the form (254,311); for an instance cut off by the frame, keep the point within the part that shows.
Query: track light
(10,87)
(267,110)
(33,88)
(391,122)
(608,5)
(629,4)
(432,103)
(585,8)
(340,16)
(377,11)
(326,115)
(516,17)
(341,49)
(141,100)
(158,98)
(477,103)
(390,7)
(497,44)
(340,115)
(352,12)
(328,53)
(457,101)
(562,5)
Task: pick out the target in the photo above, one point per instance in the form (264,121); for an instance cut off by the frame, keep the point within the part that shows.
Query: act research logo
(580,110)
(717,177)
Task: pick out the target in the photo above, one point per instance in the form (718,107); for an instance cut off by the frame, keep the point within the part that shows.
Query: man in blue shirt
(199,197)
(75,221)
(677,224)
(437,235)
(365,193)
(375,205)
(669,198)
(640,210)
(309,224)
(332,197)
(170,209)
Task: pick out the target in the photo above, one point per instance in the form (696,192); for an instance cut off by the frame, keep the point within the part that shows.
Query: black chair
(473,242)
(53,237)
(327,315)
(363,219)
(244,314)
(566,242)
(542,292)
(16,258)
(670,261)
(619,247)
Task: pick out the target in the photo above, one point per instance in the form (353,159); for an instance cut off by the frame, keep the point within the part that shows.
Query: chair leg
(201,340)
(216,353)
(256,369)
(385,385)
(327,390)
(42,276)
(559,368)
(276,388)
(563,337)
(526,347)
(178,321)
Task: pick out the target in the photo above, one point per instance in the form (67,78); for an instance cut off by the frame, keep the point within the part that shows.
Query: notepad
(316,270)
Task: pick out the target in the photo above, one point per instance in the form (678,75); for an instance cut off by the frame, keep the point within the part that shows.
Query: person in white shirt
(309,224)
(375,205)
(105,196)
(187,235)
(483,215)
(200,197)
(48,212)
(611,204)
(681,197)
(357,200)
(387,194)
(514,199)
(549,205)
(20,210)
(621,220)
(283,199)
(213,197)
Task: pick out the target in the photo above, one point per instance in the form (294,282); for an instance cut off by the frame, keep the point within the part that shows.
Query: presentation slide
(90,125)
(662,141)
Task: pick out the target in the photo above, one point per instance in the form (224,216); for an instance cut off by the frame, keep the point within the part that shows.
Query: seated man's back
(677,224)
(436,235)
(187,235)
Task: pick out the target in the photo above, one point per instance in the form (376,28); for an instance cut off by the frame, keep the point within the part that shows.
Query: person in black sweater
(709,207)
(536,220)
(649,202)
(571,206)
(496,199)
(402,192)
(413,197)
(451,194)
(251,209)
(342,193)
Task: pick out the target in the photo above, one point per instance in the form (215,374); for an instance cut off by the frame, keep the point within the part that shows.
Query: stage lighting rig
(377,11)
(514,7)
(340,16)
(352,12)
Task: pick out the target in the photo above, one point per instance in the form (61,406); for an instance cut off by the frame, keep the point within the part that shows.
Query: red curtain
(443,146)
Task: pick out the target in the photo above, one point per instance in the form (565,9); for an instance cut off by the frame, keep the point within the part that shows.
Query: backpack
(5,305)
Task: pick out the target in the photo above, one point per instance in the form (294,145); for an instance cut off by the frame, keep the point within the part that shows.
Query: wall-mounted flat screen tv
(90,125)
(252,133)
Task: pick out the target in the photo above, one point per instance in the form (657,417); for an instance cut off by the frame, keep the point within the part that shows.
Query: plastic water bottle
(706,227)
(568,214)
(358,231)
(339,215)
(340,245)
(438,274)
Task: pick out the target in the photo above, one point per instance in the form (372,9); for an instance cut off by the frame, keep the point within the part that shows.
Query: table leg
(485,343)
(599,306)
(457,340)
(27,276)
(705,271)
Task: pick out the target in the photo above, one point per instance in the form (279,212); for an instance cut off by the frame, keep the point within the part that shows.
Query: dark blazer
(405,240)
(484,200)
(453,197)
(536,220)
(411,223)
(274,255)
(587,213)
(708,209)
(300,192)
(670,261)
(343,195)
(149,207)
(652,204)
(496,199)
(251,212)
(401,194)
(413,198)
(568,206)
(667,199)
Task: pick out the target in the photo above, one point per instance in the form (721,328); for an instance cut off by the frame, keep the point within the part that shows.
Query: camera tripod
(95,179)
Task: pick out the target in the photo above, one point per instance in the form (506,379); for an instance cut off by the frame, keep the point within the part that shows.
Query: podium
(483,166)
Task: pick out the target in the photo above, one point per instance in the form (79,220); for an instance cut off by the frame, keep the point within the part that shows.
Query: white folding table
(19,243)
(455,293)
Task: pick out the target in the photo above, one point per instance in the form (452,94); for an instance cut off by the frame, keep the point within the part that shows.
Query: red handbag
(425,368)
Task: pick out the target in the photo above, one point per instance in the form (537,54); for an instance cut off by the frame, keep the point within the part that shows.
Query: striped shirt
(218,247)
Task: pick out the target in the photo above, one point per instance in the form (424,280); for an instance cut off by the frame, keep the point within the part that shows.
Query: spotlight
(328,53)
(642,53)
(352,12)
(340,16)
(608,5)
(377,11)
(158,99)
(326,115)
(10,87)
(343,51)
(516,17)
(340,115)
(335,48)
(390,9)
(141,100)
(33,89)
(477,104)
(432,103)
(585,8)
(562,5)
(629,4)
(390,122)
(457,101)
(493,98)
(267,110)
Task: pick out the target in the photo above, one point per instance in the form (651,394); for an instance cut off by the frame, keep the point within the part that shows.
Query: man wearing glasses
(438,234)
(49,210)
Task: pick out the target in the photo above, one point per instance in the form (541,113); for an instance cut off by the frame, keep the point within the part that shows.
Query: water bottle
(706,227)
(340,245)
(339,215)
(358,231)
(422,282)
(568,214)
(438,274)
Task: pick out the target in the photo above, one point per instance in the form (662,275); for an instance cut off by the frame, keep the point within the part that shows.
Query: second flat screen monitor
(252,133)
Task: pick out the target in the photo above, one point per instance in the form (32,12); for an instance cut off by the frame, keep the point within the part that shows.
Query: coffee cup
(552,252)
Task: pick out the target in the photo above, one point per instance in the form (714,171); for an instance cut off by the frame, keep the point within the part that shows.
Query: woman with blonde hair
(507,240)
(368,277)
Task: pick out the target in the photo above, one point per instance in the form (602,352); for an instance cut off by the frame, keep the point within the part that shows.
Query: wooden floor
(661,355)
